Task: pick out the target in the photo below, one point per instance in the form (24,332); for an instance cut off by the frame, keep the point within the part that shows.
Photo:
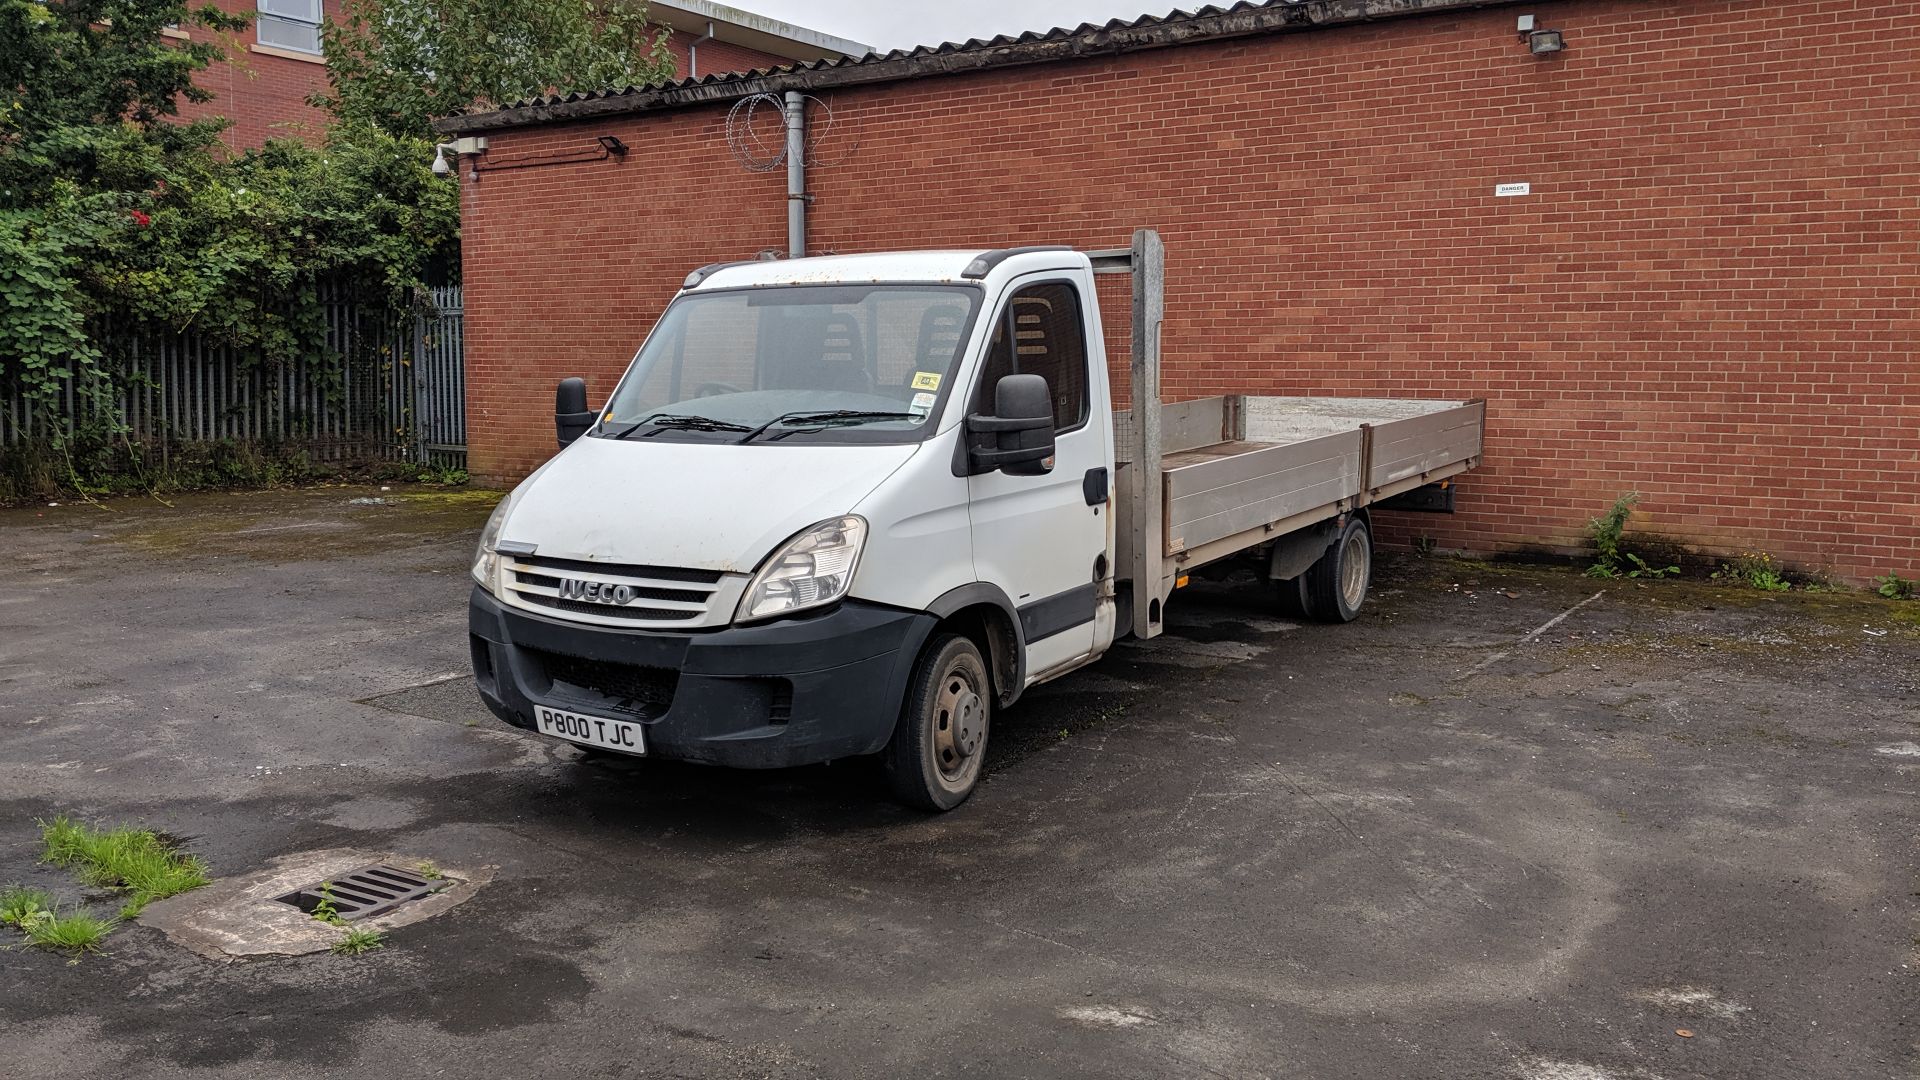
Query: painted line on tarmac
(1534,633)
(284,528)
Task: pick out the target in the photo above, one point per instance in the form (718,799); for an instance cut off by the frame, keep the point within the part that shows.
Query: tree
(401,64)
(67,62)
(118,217)
(85,161)
(114,212)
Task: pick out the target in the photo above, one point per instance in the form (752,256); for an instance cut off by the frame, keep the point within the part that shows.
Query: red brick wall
(1709,297)
(716,57)
(264,95)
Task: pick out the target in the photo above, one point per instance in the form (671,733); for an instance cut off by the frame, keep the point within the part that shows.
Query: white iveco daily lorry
(854,505)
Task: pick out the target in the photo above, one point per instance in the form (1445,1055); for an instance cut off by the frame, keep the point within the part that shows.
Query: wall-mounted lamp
(613,145)
(1546,42)
(1541,42)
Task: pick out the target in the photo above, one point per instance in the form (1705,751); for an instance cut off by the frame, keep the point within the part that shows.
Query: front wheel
(934,759)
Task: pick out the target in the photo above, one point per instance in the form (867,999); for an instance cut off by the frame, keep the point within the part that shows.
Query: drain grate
(366,892)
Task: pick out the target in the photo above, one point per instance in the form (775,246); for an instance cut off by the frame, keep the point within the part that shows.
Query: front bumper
(793,692)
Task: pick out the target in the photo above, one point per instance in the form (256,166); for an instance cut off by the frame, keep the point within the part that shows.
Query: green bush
(116,213)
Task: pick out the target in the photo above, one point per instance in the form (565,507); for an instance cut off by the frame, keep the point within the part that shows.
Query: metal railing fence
(389,384)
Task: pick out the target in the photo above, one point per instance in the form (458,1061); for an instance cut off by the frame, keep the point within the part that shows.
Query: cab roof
(932,267)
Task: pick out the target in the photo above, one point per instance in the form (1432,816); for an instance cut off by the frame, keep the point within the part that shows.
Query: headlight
(813,568)
(486,561)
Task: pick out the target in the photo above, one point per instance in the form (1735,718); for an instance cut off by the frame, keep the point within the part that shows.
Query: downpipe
(693,53)
(796,113)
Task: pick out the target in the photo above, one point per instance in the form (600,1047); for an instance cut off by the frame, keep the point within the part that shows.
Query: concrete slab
(243,916)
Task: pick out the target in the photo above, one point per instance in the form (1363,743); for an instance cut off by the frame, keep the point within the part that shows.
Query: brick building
(713,39)
(1707,294)
(276,65)
(264,88)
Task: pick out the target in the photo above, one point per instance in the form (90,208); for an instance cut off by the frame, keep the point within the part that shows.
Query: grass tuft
(31,911)
(136,860)
(77,933)
(358,940)
(19,906)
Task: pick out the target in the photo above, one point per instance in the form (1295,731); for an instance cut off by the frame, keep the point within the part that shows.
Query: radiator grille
(618,594)
(635,688)
(584,607)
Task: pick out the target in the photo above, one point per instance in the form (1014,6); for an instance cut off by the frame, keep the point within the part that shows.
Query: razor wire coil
(758,154)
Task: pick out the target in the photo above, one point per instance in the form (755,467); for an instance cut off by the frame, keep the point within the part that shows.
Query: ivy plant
(119,217)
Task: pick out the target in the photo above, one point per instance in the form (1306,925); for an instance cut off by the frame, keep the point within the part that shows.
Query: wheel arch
(1291,555)
(985,615)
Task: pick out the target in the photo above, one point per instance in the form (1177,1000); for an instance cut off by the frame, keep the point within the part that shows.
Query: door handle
(1094,486)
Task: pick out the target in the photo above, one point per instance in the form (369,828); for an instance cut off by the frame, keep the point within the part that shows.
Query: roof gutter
(751,30)
(1089,42)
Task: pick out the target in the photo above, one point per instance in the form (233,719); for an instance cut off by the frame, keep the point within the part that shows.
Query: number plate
(623,736)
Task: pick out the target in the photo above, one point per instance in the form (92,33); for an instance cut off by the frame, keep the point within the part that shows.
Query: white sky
(899,24)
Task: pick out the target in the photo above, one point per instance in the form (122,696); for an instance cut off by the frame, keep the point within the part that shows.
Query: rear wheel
(1334,588)
(934,759)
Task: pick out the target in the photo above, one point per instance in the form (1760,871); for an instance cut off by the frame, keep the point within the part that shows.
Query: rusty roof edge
(1151,32)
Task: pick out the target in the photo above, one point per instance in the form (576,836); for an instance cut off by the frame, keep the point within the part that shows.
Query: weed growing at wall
(1612,560)
(1895,587)
(1756,570)
(96,464)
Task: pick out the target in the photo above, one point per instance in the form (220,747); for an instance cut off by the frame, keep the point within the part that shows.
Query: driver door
(1037,537)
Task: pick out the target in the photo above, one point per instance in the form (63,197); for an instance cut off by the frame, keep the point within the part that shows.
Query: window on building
(1041,332)
(290,24)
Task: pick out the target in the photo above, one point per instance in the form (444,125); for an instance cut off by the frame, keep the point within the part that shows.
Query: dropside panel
(1423,445)
(1213,498)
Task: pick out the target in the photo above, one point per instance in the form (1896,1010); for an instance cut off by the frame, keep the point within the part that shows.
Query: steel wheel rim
(959,724)
(1353,570)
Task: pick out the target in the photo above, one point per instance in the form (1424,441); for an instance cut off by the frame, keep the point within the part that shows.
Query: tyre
(934,759)
(1334,588)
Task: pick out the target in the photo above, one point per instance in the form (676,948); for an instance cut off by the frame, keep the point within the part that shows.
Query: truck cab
(836,507)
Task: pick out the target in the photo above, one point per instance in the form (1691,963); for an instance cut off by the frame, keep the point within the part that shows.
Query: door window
(1041,332)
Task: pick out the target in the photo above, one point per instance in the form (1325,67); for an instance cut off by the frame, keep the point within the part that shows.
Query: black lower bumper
(793,692)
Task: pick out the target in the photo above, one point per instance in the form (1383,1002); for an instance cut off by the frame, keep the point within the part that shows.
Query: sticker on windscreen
(926,380)
(922,405)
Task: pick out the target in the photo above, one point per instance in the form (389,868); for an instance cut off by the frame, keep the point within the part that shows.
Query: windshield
(801,363)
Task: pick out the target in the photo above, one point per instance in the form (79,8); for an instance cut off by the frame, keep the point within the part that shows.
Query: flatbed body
(1213,478)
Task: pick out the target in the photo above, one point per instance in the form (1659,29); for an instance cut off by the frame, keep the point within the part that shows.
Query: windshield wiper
(677,422)
(834,418)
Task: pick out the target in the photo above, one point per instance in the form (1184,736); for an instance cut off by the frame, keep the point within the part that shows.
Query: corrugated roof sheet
(1116,35)
(1058,33)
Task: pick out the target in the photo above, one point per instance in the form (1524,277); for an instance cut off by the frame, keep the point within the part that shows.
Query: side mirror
(571,417)
(1019,439)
